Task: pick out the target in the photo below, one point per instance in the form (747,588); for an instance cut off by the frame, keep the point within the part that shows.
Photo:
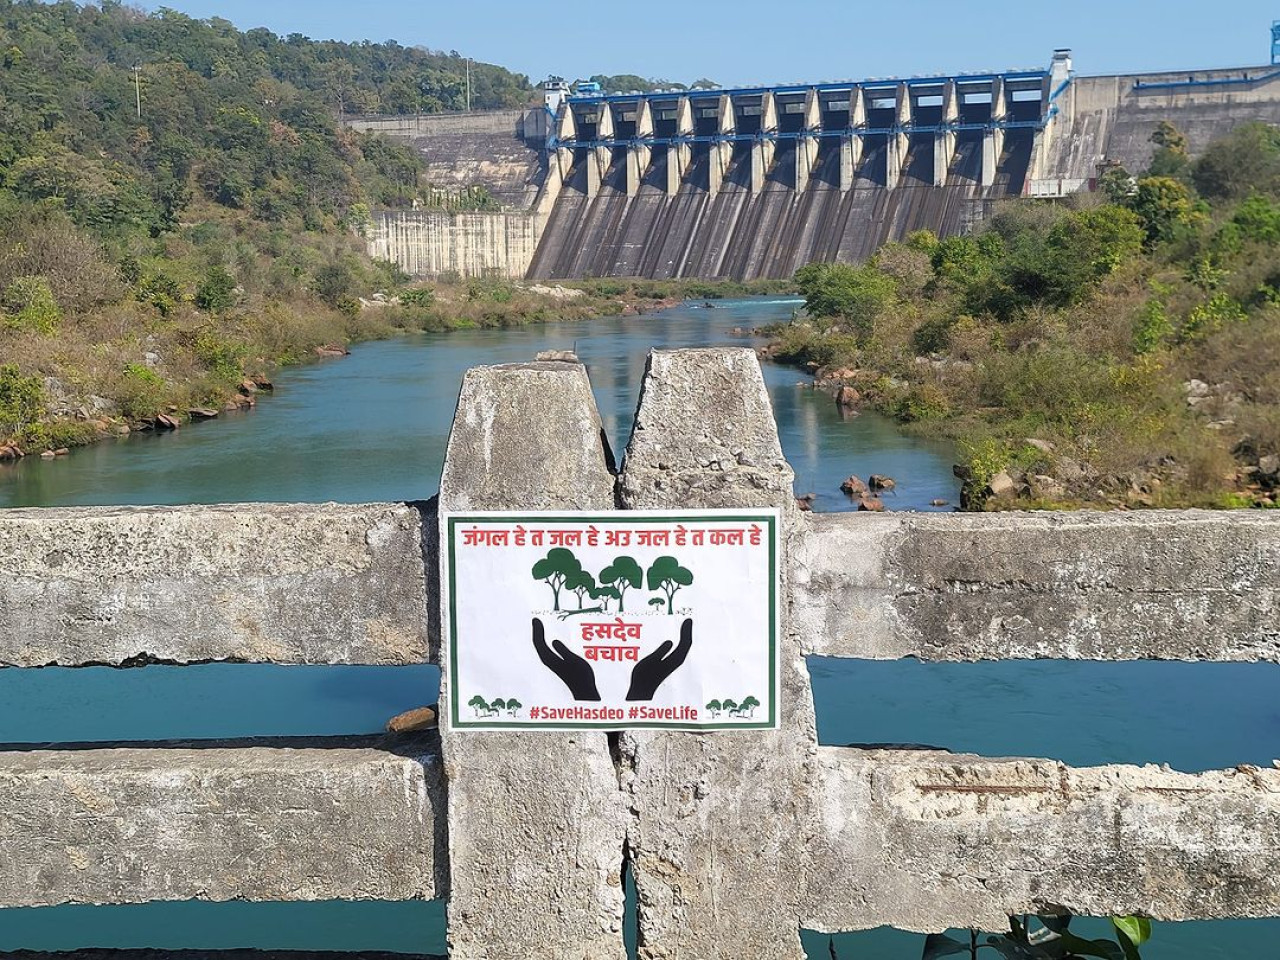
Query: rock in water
(423,718)
(878,481)
(871,505)
(854,486)
(846,396)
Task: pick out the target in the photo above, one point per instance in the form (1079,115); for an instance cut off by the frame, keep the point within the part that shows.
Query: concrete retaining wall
(735,839)
(426,244)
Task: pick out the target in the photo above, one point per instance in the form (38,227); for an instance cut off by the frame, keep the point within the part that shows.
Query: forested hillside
(1120,348)
(180,205)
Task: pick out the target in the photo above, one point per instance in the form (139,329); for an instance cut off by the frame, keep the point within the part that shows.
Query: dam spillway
(754,182)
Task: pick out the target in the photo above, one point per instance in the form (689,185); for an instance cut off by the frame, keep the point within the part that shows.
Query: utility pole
(137,86)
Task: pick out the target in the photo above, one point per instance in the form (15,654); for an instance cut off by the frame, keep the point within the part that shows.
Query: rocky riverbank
(171,379)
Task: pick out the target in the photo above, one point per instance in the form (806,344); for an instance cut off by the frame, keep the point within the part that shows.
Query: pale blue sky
(753,41)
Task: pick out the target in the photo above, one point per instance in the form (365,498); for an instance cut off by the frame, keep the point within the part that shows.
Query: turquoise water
(373,426)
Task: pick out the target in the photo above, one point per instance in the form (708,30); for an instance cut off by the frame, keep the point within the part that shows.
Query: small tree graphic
(748,707)
(729,706)
(480,705)
(715,706)
(498,705)
(667,575)
(514,707)
(656,602)
(623,573)
(582,583)
(604,595)
(555,568)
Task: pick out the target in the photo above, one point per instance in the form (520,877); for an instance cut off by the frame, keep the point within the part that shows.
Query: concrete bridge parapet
(735,839)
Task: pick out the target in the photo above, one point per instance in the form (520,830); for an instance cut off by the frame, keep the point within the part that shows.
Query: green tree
(1245,161)
(604,595)
(582,583)
(748,706)
(623,573)
(1162,204)
(498,704)
(729,706)
(856,295)
(514,707)
(479,705)
(715,706)
(667,575)
(555,569)
(216,293)
(1170,157)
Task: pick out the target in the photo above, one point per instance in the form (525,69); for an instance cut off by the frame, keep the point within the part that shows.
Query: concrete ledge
(134,825)
(213,955)
(1186,585)
(251,582)
(926,841)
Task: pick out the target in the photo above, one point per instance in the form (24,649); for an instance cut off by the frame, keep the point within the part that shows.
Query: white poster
(617,620)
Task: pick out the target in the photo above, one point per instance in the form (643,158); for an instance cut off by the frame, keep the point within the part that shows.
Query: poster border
(770,518)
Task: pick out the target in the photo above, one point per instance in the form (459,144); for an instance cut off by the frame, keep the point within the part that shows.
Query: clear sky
(736,42)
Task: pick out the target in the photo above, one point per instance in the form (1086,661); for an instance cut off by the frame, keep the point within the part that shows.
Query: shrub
(217,292)
(21,399)
(141,391)
(29,305)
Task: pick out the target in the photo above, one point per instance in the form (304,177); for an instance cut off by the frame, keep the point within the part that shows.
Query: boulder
(1044,446)
(878,481)
(804,505)
(332,350)
(9,452)
(166,421)
(1269,470)
(248,386)
(871,505)
(846,396)
(202,413)
(564,356)
(48,455)
(854,486)
(262,383)
(1003,485)
(1046,488)
(938,503)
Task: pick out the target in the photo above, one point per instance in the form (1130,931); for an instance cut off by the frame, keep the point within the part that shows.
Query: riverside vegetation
(170,234)
(1117,349)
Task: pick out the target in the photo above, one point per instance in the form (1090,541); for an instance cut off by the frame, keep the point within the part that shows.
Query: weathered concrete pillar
(594,174)
(722,150)
(992,147)
(605,135)
(944,146)
(944,142)
(807,146)
(640,154)
(759,166)
(536,823)
(637,165)
(851,146)
(895,158)
(705,437)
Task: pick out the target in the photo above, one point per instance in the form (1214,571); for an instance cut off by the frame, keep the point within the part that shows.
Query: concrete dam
(753,183)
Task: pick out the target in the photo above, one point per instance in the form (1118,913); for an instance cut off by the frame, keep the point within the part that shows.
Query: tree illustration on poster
(623,573)
(667,575)
(556,569)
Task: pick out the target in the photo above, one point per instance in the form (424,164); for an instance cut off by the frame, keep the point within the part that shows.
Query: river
(373,426)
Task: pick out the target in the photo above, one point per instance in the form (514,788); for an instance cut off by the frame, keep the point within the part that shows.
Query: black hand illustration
(650,672)
(565,664)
